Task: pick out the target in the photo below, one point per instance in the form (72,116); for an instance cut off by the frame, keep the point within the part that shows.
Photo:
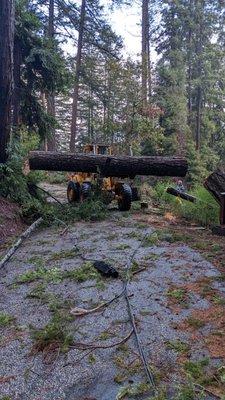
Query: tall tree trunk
(200,11)
(77,77)
(149,70)
(17,83)
(145,38)
(6,73)
(51,141)
(198,118)
(190,61)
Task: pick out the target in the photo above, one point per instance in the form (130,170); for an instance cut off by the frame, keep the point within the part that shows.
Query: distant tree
(6,73)
(77,76)
(171,74)
(42,70)
(51,140)
(144,51)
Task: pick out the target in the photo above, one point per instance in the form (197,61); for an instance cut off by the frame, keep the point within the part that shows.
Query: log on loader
(97,165)
(81,183)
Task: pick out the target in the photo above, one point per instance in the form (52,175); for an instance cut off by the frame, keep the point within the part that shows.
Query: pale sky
(125,21)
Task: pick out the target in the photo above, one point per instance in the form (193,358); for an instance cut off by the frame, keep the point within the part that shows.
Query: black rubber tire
(85,190)
(73,192)
(135,194)
(124,202)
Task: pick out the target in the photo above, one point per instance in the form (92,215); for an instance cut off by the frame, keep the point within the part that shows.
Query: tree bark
(182,195)
(149,69)
(6,73)
(200,13)
(51,141)
(17,82)
(119,166)
(145,38)
(215,184)
(190,62)
(77,77)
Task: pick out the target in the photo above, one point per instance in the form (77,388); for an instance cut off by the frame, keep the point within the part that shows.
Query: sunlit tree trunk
(6,73)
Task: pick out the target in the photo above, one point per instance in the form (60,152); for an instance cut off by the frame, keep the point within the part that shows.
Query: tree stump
(215,184)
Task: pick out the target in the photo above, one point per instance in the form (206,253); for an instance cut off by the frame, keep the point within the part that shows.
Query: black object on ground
(106,269)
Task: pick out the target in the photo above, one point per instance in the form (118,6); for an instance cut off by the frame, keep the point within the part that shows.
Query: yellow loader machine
(81,184)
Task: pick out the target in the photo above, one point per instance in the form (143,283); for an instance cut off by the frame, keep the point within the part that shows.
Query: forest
(172,103)
(112,199)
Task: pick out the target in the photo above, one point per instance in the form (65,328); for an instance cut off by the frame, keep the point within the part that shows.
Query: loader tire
(135,194)
(85,190)
(73,192)
(125,198)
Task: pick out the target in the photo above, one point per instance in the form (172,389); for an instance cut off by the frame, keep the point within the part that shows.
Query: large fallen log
(119,166)
(215,184)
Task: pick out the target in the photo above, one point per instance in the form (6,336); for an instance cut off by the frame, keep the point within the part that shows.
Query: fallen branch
(86,346)
(19,241)
(139,270)
(49,194)
(203,389)
(80,312)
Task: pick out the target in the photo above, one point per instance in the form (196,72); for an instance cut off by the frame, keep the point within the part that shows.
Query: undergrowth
(56,275)
(54,335)
(20,187)
(205,211)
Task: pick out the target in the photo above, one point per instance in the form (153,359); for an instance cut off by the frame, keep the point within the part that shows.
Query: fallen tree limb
(85,346)
(49,194)
(182,195)
(118,166)
(19,241)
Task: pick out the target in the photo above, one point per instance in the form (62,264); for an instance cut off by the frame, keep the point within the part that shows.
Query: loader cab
(98,149)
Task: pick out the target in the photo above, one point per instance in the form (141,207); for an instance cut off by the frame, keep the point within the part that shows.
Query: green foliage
(205,211)
(65,254)
(177,294)
(196,369)
(153,140)
(13,182)
(56,275)
(55,177)
(133,391)
(195,322)
(53,334)
(178,346)
(5,319)
(200,164)
(42,67)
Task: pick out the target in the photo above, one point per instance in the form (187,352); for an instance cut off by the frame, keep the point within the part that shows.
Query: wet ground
(177,299)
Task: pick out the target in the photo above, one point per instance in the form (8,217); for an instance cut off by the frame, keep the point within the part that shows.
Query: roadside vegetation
(205,211)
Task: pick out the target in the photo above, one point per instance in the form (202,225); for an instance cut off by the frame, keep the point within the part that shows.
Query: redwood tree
(6,73)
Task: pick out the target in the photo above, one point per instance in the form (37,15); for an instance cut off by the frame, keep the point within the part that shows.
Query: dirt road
(175,294)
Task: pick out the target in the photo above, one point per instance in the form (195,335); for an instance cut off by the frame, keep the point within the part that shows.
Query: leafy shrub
(90,210)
